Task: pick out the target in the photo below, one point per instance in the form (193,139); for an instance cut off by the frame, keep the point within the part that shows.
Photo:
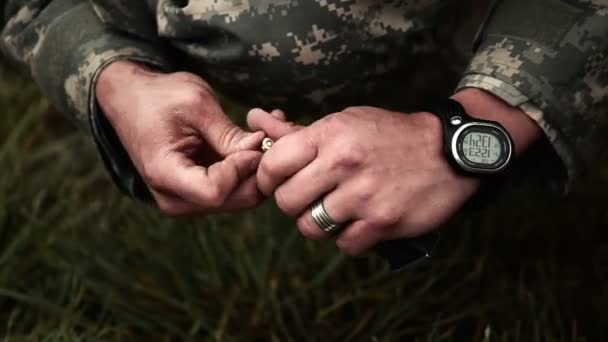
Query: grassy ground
(81,262)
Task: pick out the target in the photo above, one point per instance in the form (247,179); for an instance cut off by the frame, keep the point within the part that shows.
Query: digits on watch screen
(481,148)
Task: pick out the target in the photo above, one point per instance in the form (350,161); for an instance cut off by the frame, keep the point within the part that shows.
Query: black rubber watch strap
(447,111)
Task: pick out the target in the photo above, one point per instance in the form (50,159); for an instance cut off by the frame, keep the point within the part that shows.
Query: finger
(286,157)
(278,114)
(275,128)
(226,137)
(299,192)
(245,196)
(425,212)
(423,216)
(340,205)
(209,187)
(358,238)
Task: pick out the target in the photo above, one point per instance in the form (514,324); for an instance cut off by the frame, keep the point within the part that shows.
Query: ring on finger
(323,220)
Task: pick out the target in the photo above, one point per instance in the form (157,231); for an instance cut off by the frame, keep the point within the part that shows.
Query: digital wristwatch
(473,146)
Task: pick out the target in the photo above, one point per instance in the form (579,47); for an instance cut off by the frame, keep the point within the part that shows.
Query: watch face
(481,147)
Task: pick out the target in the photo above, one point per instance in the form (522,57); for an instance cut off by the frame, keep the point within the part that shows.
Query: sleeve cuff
(111,150)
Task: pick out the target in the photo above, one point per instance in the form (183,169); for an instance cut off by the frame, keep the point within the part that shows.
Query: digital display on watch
(481,148)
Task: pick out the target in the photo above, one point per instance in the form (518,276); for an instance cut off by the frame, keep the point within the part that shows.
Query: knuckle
(152,177)
(213,197)
(351,157)
(329,127)
(284,202)
(332,117)
(384,217)
(183,76)
(192,96)
(358,110)
(366,187)
(334,121)
(351,109)
(268,168)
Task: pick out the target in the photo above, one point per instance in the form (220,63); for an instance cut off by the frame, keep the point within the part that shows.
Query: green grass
(79,261)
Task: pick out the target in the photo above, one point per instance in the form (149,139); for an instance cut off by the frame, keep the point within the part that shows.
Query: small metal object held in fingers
(326,223)
(266,144)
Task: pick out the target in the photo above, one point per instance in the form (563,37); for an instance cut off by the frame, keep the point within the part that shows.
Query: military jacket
(549,57)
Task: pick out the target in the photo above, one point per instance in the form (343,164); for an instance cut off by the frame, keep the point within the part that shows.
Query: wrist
(115,80)
(483,105)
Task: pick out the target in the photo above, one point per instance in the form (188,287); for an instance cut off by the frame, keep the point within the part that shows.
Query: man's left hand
(381,173)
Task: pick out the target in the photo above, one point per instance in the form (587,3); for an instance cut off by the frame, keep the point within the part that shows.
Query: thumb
(226,138)
(274,125)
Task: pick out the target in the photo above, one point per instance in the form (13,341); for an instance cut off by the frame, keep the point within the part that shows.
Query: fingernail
(251,140)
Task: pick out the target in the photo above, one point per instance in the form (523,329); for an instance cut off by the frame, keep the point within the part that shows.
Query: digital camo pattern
(65,44)
(317,54)
(322,55)
(320,52)
(556,57)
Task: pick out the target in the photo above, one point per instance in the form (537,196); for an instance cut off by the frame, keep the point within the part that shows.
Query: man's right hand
(192,157)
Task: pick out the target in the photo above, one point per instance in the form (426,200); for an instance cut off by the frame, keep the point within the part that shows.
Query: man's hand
(383,173)
(192,157)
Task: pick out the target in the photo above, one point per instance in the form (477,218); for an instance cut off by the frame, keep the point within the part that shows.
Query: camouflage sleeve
(65,46)
(550,57)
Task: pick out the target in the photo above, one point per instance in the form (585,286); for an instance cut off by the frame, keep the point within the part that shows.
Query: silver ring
(322,219)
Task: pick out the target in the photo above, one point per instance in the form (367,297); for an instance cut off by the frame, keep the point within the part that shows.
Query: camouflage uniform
(549,57)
